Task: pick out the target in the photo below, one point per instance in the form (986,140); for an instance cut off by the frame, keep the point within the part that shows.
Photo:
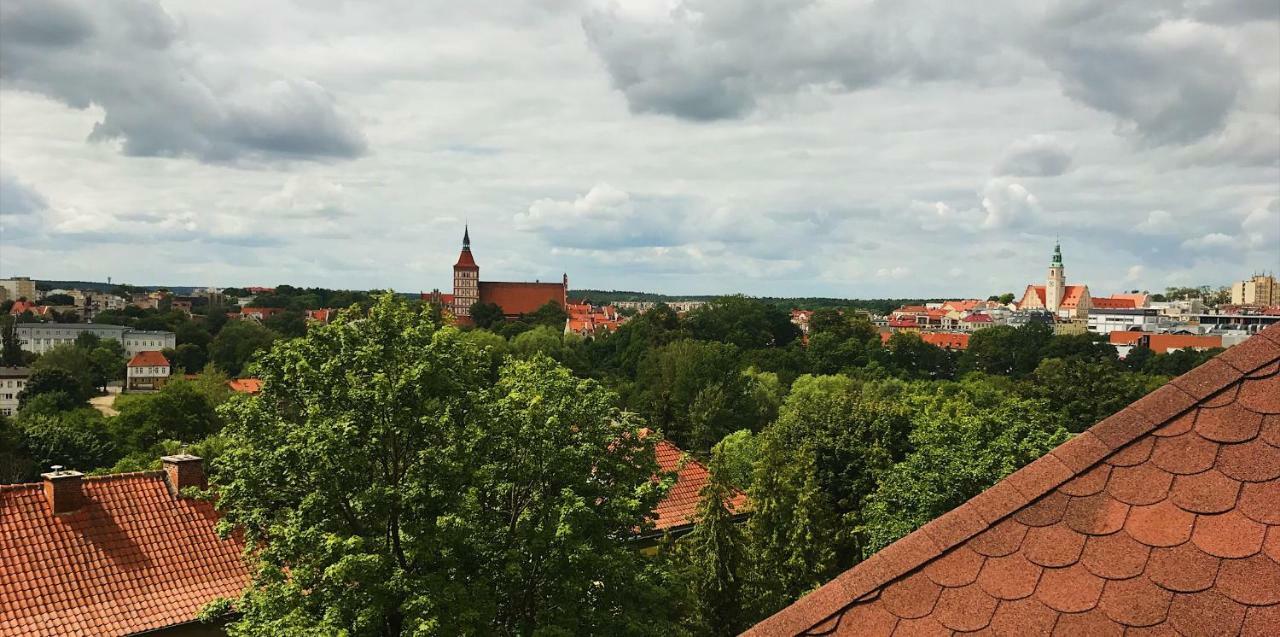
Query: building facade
(42,337)
(1259,290)
(1124,320)
(12,380)
(19,287)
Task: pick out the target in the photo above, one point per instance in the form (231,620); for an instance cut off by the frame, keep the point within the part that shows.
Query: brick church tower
(466,280)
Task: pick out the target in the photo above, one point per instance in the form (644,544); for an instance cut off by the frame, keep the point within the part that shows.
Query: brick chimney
(184,470)
(62,490)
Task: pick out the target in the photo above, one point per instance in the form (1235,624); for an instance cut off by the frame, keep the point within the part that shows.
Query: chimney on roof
(184,470)
(62,490)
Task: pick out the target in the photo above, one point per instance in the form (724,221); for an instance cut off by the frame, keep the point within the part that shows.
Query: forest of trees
(406,478)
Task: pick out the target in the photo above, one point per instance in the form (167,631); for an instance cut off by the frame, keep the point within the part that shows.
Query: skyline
(868,151)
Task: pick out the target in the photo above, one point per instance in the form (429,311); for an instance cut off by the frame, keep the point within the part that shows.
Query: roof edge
(1024,486)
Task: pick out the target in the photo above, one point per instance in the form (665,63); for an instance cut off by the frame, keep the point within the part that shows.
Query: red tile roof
(133,558)
(1164,343)
(946,340)
(977,318)
(521,298)
(1113,303)
(1164,518)
(1071,294)
(148,358)
(245,385)
(677,509)
(466,261)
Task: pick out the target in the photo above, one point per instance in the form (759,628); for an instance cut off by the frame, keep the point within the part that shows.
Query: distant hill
(102,286)
(881,306)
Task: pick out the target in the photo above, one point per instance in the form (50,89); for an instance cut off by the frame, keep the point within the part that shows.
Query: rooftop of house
(150,358)
(520,297)
(1163,518)
(125,554)
(245,385)
(675,512)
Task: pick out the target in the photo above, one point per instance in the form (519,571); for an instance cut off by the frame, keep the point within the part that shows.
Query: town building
(120,554)
(1161,519)
(515,298)
(588,320)
(1055,296)
(800,319)
(148,370)
(42,337)
(12,380)
(1178,311)
(260,313)
(1248,320)
(1106,321)
(674,515)
(1260,290)
(19,287)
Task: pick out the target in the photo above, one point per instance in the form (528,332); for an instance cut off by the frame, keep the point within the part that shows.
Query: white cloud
(1211,241)
(1007,203)
(1157,222)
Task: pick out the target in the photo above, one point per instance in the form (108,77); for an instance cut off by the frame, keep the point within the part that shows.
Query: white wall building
(12,380)
(148,370)
(42,337)
(1121,320)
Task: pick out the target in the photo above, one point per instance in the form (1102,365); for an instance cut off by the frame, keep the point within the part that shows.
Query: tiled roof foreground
(133,558)
(1163,519)
(681,502)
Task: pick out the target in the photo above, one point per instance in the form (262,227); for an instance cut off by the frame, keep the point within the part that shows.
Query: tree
(54,380)
(543,340)
(551,315)
(188,357)
(179,411)
(742,321)
(74,361)
(910,357)
(694,393)
(10,349)
(737,454)
(236,344)
(1138,358)
(289,324)
(1085,391)
(1006,350)
(487,315)
(388,489)
(75,439)
(717,560)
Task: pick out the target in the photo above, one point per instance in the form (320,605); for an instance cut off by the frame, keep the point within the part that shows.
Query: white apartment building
(42,337)
(12,380)
(1124,320)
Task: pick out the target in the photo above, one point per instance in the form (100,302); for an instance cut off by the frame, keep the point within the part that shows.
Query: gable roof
(149,358)
(521,298)
(1165,515)
(1071,294)
(675,512)
(1113,303)
(133,558)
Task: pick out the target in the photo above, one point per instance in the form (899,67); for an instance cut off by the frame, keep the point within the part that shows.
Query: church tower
(1056,286)
(466,280)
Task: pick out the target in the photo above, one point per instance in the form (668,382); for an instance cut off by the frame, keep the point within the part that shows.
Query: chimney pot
(62,489)
(184,470)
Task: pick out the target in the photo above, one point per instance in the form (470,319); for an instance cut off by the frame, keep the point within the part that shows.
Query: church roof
(1071,294)
(1163,518)
(521,298)
(465,260)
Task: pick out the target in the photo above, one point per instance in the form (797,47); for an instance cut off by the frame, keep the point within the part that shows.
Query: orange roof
(962,306)
(1125,338)
(150,358)
(681,502)
(1163,343)
(1071,294)
(521,298)
(19,307)
(1164,517)
(245,385)
(466,261)
(133,558)
(1113,303)
(978,318)
(1139,299)
(946,340)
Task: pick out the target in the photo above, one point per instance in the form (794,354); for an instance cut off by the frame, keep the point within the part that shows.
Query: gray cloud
(19,199)
(1166,78)
(160,97)
(1035,156)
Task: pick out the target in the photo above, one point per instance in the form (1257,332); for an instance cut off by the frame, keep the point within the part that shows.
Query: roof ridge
(1022,487)
(148,473)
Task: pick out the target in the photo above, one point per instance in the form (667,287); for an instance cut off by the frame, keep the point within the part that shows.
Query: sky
(777,148)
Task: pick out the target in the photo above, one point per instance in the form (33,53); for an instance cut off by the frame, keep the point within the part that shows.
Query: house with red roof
(588,320)
(1163,519)
(119,554)
(675,513)
(147,370)
(260,313)
(245,385)
(515,298)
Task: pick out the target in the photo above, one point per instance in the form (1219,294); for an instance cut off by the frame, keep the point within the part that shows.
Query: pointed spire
(1057,253)
(466,237)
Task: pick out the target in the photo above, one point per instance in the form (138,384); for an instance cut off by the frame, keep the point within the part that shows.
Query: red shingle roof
(681,503)
(133,558)
(245,385)
(466,261)
(148,358)
(946,340)
(521,298)
(1164,518)
(1113,303)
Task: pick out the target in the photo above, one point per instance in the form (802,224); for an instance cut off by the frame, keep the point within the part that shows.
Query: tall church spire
(1057,254)
(466,238)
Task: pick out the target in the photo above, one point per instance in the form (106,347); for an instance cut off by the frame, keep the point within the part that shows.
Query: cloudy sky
(850,149)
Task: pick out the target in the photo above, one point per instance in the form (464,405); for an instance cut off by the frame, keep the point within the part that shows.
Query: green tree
(693,391)
(74,361)
(54,380)
(551,315)
(1138,358)
(402,494)
(487,315)
(737,454)
(717,560)
(1085,392)
(76,439)
(1006,350)
(188,357)
(179,411)
(909,357)
(10,348)
(742,321)
(544,340)
(289,324)
(237,343)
